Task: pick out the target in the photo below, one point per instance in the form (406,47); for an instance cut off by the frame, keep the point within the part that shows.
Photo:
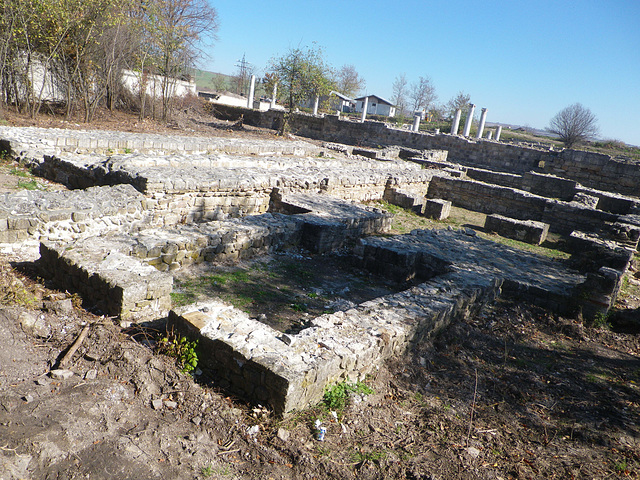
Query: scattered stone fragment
(59,307)
(28,398)
(170,404)
(157,404)
(61,374)
(196,420)
(283,434)
(91,374)
(474,452)
(34,324)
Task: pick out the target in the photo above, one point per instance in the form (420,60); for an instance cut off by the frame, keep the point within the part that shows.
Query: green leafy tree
(301,73)
(574,124)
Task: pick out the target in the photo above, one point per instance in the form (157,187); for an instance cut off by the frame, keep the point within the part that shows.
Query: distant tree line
(82,47)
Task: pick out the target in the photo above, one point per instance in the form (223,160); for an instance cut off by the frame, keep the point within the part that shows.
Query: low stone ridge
(424,254)
(69,214)
(562,217)
(109,280)
(329,225)
(526,231)
(192,188)
(593,252)
(21,140)
(290,372)
(216,241)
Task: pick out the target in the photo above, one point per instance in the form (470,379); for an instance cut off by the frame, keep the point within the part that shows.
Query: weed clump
(337,396)
(180,348)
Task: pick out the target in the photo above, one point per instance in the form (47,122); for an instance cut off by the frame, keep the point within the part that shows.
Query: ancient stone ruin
(141,207)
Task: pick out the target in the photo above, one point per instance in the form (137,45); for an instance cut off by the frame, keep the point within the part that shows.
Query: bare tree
(349,82)
(422,94)
(178,26)
(574,124)
(400,87)
(458,102)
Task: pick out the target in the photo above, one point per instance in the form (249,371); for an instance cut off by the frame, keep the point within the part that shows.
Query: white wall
(132,81)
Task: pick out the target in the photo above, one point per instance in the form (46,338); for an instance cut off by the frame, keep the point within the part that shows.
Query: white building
(376,106)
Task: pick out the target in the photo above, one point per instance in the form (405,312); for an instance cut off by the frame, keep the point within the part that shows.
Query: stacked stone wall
(563,217)
(110,281)
(291,372)
(70,214)
(593,170)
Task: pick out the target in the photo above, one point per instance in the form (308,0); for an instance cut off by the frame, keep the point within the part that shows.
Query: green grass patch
(29,185)
(19,172)
(179,299)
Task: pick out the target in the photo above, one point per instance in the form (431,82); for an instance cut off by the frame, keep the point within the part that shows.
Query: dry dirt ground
(514,393)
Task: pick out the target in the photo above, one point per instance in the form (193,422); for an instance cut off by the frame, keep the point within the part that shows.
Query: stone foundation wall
(111,282)
(290,372)
(232,239)
(562,217)
(590,169)
(71,214)
(523,230)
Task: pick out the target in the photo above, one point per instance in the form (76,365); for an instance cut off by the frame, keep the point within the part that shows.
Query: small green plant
(299,307)
(206,471)
(621,467)
(336,396)
(591,378)
(180,348)
(128,150)
(601,320)
(323,451)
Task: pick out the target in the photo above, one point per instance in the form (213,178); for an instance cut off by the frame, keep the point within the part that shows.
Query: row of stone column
(467,126)
(416,119)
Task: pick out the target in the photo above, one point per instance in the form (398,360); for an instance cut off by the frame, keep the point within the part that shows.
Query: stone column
(252,89)
(316,102)
(483,119)
(273,96)
(467,124)
(416,123)
(456,122)
(498,132)
(364,109)
(489,135)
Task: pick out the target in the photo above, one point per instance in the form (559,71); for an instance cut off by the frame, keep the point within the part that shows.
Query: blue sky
(522,60)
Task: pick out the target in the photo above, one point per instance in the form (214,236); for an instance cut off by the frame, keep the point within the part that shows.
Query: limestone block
(527,231)
(437,209)
(586,200)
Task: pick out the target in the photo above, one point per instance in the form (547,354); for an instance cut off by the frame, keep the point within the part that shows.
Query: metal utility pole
(243,66)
